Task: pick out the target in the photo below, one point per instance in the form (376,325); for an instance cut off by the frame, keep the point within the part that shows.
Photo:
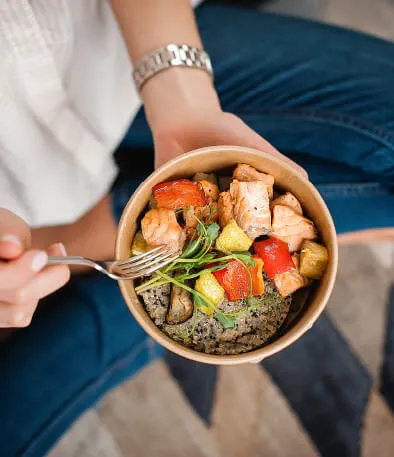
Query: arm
(181,104)
(150,24)
(182,108)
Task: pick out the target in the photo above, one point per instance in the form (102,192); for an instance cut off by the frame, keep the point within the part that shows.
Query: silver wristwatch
(172,55)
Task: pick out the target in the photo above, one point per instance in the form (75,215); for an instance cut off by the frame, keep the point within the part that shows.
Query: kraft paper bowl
(287,179)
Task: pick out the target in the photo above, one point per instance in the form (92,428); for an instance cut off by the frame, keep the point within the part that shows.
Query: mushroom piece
(181,305)
(199,176)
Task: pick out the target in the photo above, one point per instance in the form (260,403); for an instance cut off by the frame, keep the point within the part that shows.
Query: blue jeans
(322,95)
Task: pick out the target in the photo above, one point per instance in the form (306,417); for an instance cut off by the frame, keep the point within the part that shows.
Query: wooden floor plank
(378,431)
(278,433)
(236,411)
(359,301)
(149,416)
(87,438)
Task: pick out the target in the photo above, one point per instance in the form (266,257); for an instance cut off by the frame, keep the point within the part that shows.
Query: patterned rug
(331,377)
(330,394)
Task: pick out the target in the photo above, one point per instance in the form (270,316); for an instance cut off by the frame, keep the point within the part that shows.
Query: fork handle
(70,260)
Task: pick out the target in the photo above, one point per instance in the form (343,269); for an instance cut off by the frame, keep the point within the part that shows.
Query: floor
(149,415)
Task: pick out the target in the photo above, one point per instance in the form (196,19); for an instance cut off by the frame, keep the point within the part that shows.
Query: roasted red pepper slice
(276,256)
(235,280)
(179,194)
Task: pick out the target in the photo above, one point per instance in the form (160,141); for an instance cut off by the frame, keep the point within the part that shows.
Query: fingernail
(39,261)
(62,249)
(9,238)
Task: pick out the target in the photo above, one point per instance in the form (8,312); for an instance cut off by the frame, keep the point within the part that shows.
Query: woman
(321,95)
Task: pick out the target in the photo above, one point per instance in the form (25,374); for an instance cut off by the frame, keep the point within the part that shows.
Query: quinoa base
(252,329)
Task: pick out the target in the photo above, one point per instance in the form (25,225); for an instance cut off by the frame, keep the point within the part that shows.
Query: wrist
(177,92)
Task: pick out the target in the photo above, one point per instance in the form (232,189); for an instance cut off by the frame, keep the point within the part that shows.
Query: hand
(207,128)
(24,276)
(184,114)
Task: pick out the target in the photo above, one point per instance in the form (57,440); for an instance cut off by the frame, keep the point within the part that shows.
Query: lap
(81,343)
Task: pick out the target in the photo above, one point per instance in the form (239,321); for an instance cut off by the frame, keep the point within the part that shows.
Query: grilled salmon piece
(251,207)
(292,228)
(211,190)
(288,199)
(225,209)
(290,281)
(160,227)
(245,172)
(206,214)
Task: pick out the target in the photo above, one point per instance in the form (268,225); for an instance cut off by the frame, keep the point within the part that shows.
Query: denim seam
(372,189)
(126,359)
(373,131)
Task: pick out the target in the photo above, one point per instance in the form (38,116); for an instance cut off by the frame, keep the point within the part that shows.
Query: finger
(19,305)
(57,249)
(44,284)
(12,316)
(16,273)
(14,235)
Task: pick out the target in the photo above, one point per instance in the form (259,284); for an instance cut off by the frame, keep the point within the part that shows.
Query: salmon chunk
(206,214)
(251,207)
(289,200)
(225,209)
(292,228)
(211,190)
(245,172)
(290,281)
(160,227)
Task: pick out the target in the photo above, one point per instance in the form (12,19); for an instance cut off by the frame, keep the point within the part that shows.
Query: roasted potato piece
(208,286)
(233,238)
(181,305)
(138,245)
(313,260)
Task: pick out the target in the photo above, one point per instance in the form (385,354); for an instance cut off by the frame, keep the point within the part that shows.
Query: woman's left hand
(184,113)
(209,128)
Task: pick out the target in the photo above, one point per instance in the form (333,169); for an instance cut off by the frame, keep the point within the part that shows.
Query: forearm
(91,236)
(150,24)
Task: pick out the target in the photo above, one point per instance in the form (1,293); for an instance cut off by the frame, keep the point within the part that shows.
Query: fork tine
(134,269)
(148,257)
(156,267)
(143,256)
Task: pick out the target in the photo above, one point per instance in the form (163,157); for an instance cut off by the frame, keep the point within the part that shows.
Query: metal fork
(132,268)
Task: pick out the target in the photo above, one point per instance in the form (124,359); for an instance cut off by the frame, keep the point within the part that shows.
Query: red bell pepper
(179,194)
(276,256)
(235,279)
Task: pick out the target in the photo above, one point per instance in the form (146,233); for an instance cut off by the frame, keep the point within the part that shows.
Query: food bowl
(287,179)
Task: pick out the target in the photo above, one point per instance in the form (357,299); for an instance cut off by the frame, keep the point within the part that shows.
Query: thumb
(14,235)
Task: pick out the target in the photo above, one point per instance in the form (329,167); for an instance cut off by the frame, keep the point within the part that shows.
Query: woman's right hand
(24,276)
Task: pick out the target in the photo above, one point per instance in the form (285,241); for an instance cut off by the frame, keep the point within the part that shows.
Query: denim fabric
(322,95)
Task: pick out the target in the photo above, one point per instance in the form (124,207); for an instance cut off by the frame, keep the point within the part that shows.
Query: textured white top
(66,100)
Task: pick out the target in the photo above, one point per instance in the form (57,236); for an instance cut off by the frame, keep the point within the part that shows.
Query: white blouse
(66,101)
